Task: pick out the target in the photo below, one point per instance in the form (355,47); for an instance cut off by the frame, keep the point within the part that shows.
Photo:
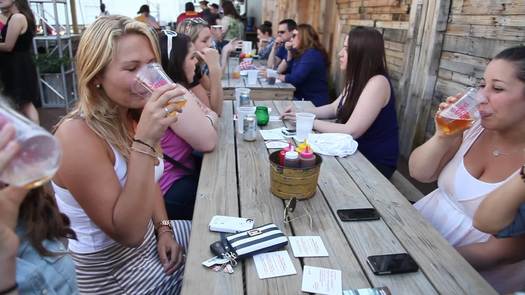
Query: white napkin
(332,144)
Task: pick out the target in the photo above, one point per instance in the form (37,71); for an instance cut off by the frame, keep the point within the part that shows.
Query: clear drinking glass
(461,114)
(304,123)
(150,77)
(39,155)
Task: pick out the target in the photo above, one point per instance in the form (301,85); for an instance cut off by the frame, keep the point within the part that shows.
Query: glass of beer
(150,77)
(461,114)
(39,155)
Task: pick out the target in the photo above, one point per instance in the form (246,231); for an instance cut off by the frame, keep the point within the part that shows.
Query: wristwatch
(164,222)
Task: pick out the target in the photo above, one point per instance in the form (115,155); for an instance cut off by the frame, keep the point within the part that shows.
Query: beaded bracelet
(9,290)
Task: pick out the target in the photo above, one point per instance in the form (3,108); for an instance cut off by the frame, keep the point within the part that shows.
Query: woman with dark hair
(195,130)
(471,164)
(31,230)
(266,40)
(366,108)
(231,21)
(18,72)
(306,66)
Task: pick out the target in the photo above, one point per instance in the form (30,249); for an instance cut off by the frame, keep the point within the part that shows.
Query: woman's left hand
(210,56)
(170,252)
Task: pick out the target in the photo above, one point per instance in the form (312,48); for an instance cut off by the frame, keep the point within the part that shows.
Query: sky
(163,10)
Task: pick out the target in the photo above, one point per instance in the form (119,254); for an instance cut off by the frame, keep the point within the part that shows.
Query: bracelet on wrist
(162,230)
(9,290)
(144,143)
(152,155)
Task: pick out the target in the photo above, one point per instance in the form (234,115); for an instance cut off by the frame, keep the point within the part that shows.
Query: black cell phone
(289,131)
(392,263)
(361,214)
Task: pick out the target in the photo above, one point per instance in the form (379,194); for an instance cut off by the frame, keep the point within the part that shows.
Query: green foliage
(51,63)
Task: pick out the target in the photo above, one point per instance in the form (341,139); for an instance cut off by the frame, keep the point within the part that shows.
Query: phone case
(230,224)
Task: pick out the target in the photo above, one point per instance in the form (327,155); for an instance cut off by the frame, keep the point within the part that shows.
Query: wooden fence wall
(434,48)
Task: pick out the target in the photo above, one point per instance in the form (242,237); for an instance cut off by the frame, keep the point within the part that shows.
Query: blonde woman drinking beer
(106,183)
(470,163)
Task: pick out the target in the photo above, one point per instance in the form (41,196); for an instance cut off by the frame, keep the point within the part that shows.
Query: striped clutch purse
(261,239)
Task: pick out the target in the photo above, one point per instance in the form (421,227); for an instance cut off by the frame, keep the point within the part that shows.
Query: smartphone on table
(361,214)
(392,263)
(288,131)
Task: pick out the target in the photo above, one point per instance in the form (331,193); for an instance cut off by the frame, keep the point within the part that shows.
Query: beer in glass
(459,115)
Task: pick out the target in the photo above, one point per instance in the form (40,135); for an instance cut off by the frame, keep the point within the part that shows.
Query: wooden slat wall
(449,42)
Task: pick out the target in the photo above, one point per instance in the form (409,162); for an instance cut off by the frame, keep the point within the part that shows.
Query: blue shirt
(309,74)
(281,53)
(37,274)
(517,227)
(380,143)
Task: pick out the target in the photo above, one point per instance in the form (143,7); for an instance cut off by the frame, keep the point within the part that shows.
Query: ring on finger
(166,111)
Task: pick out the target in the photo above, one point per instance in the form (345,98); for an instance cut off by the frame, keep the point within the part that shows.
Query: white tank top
(90,238)
(451,207)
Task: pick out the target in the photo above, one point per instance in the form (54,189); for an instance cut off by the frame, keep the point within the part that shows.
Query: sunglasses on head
(170,35)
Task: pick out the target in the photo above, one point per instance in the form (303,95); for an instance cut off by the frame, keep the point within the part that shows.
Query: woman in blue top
(306,66)
(366,108)
(33,260)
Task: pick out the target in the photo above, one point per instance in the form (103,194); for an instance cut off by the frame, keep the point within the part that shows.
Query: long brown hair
(229,9)
(366,58)
(41,220)
(23,8)
(309,39)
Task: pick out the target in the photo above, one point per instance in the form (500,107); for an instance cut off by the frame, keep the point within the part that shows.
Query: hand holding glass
(460,114)
(150,77)
(39,155)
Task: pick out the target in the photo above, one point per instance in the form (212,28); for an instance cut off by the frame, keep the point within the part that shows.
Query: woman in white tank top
(106,183)
(470,165)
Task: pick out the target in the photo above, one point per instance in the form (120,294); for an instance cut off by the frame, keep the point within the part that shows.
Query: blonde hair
(95,51)
(192,27)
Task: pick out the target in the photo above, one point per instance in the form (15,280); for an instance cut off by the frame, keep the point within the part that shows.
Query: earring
(98,86)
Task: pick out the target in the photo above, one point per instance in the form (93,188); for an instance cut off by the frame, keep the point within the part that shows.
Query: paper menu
(274,264)
(307,246)
(272,134)
(321,280)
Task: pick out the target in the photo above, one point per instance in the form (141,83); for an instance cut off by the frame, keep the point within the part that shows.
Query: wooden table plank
(448,271)
(216,195)
(258,203)
(327,228)
(365,238)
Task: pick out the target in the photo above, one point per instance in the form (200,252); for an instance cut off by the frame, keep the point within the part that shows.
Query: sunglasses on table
(290,208)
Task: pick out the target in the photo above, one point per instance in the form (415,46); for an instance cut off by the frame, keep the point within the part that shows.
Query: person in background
(18,71)
(103,11)
(145,17)
(306,66)
(279,51)
(266,40)
(107,186)
(33,259)
(206,13)
(474,161)
(502,212)
(3,19)
(214,9)
(231,21)
(206,84)
(366,108)
(189,12)
(194,131)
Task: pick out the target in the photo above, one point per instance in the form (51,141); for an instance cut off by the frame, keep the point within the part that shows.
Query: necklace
(496,152)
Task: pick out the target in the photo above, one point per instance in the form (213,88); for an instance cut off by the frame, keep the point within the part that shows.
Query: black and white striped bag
(261,239)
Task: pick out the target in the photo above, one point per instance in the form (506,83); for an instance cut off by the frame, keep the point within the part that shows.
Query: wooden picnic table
(260,91)
(235,181)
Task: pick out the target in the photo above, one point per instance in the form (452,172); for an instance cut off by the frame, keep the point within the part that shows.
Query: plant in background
(51,63)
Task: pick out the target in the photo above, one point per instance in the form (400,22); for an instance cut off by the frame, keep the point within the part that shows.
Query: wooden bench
(405,187)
